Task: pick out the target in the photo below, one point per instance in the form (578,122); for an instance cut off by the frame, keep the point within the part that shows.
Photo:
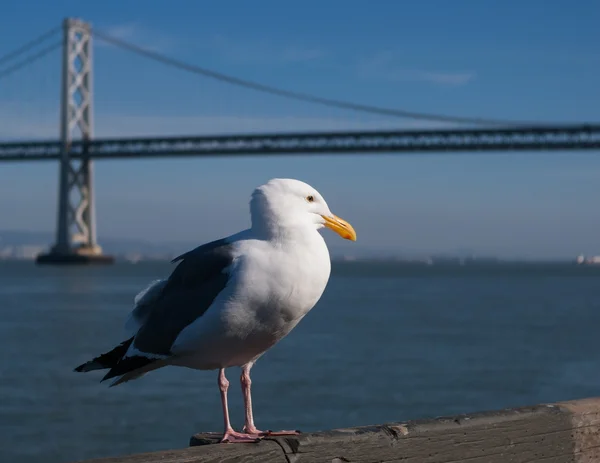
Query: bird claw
(234,437)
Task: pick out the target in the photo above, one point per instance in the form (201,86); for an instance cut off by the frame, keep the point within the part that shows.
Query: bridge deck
(535,138)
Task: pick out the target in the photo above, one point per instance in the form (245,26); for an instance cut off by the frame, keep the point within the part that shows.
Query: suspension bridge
(75,150)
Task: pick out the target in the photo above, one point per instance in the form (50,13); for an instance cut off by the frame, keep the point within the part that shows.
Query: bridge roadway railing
(519,138)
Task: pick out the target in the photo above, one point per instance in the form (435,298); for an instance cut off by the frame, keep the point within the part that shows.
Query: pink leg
(229,435)
(249,426)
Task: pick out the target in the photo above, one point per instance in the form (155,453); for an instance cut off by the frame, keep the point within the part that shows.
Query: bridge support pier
(76,222)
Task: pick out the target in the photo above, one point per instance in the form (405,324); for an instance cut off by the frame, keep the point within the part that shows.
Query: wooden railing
(565,432)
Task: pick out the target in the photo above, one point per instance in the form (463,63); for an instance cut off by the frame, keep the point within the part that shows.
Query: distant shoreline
(396,261)
(18,245)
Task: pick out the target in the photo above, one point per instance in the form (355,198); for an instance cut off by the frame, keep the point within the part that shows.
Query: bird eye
(310,198)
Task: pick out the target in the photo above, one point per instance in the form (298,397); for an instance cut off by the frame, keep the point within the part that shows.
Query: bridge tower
(76,221)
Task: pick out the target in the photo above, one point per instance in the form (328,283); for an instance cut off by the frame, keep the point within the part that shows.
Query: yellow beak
(340,226)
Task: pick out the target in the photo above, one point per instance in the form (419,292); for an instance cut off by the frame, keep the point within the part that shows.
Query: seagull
(229,301)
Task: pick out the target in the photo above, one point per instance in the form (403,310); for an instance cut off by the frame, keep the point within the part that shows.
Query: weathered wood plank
(514,437)
(566,432)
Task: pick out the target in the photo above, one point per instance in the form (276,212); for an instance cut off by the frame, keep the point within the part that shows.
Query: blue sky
(535,60)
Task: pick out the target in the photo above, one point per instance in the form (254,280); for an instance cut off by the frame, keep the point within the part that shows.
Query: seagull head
(282,205)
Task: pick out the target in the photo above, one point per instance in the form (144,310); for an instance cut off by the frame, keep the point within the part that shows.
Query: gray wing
(185,296)
(168,306)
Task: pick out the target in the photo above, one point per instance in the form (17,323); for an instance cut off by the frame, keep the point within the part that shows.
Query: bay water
(387,342)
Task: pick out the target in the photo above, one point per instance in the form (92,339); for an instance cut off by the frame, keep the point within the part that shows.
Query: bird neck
(283,232)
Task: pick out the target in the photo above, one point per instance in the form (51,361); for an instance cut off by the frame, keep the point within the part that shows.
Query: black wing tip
(91,365)
(106,360)
(127,365)
(84,367)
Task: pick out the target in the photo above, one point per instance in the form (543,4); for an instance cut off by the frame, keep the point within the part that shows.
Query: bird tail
(127,377)
(130,368)
(106,360)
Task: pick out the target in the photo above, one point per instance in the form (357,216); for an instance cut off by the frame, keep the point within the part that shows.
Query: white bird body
(231,300)
(274,286)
